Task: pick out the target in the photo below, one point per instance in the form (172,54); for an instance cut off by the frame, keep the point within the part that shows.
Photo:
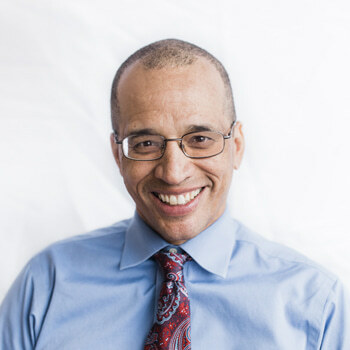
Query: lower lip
(177,210)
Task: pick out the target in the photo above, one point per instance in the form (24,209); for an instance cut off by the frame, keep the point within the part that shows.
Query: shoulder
(288,283)
(96,247)
(61,272)
(284,263)
(75,260)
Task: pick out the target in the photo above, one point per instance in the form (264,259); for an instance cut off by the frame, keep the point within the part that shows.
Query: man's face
(172,102)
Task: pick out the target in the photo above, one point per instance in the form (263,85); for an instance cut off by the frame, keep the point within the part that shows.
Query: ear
(238,139)
(116,152)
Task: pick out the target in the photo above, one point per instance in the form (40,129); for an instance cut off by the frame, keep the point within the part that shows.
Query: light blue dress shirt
(100,290)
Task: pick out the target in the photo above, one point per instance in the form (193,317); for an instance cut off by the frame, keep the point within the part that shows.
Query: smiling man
(179,185)
(181,274)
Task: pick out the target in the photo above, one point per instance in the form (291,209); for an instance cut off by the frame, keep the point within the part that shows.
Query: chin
(178,232)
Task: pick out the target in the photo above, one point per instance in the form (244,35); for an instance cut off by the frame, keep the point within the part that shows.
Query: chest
(118,313)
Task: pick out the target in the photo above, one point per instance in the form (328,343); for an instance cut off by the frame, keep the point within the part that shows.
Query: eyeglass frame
(165,141)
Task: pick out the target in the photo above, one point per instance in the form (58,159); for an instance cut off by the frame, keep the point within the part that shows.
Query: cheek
(219,169)
(134,175)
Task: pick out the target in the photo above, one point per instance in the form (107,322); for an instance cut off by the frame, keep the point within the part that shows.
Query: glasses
(197,144)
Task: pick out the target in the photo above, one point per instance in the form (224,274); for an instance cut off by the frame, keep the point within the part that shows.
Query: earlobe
(238,139)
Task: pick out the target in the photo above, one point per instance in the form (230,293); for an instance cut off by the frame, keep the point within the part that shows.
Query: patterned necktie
(171,330)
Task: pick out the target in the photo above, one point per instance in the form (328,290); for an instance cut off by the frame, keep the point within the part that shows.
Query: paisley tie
(171,330)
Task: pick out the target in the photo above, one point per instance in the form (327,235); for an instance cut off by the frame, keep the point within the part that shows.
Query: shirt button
(173,250)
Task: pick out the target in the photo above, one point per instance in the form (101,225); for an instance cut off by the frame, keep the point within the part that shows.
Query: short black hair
(168,53)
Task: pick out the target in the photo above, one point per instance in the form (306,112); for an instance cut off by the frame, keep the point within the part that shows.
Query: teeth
(180,199)
(173,200)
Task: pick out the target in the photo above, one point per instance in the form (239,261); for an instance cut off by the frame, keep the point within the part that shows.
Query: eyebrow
(204,127)
(145,131)
(190,128)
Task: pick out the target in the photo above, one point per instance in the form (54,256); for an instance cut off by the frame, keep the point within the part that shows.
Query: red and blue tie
(171,330)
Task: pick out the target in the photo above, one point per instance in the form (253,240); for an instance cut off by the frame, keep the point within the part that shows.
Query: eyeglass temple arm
(116,138)
(231,131)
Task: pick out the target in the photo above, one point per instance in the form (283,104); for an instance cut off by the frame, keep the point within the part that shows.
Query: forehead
(171,96)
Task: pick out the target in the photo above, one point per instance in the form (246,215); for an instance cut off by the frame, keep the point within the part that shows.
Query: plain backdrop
(289,66)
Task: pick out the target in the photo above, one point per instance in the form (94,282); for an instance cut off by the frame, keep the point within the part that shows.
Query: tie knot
(172,262)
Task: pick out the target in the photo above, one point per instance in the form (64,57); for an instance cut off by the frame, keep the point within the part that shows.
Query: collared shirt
(100,290)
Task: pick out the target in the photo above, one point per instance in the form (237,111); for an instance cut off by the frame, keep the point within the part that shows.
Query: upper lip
(177,191)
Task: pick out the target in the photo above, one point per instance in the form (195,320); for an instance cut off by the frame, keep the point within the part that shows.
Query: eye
(202,140)
(199,139)
(145,143)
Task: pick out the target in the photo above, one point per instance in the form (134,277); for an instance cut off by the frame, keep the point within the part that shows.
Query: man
(181,274)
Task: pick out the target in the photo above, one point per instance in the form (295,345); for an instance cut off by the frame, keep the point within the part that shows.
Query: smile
(180,199)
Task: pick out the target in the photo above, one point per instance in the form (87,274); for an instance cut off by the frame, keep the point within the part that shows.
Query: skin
(170,101)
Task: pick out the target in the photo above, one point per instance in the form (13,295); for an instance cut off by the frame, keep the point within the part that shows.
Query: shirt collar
(211,249)
(141,242)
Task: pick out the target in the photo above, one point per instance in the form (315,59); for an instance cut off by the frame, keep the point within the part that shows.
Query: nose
(174,167)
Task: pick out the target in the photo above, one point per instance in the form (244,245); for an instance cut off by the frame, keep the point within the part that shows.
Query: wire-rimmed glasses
(197,144)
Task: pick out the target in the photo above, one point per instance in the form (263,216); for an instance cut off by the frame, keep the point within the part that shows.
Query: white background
(289,66)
